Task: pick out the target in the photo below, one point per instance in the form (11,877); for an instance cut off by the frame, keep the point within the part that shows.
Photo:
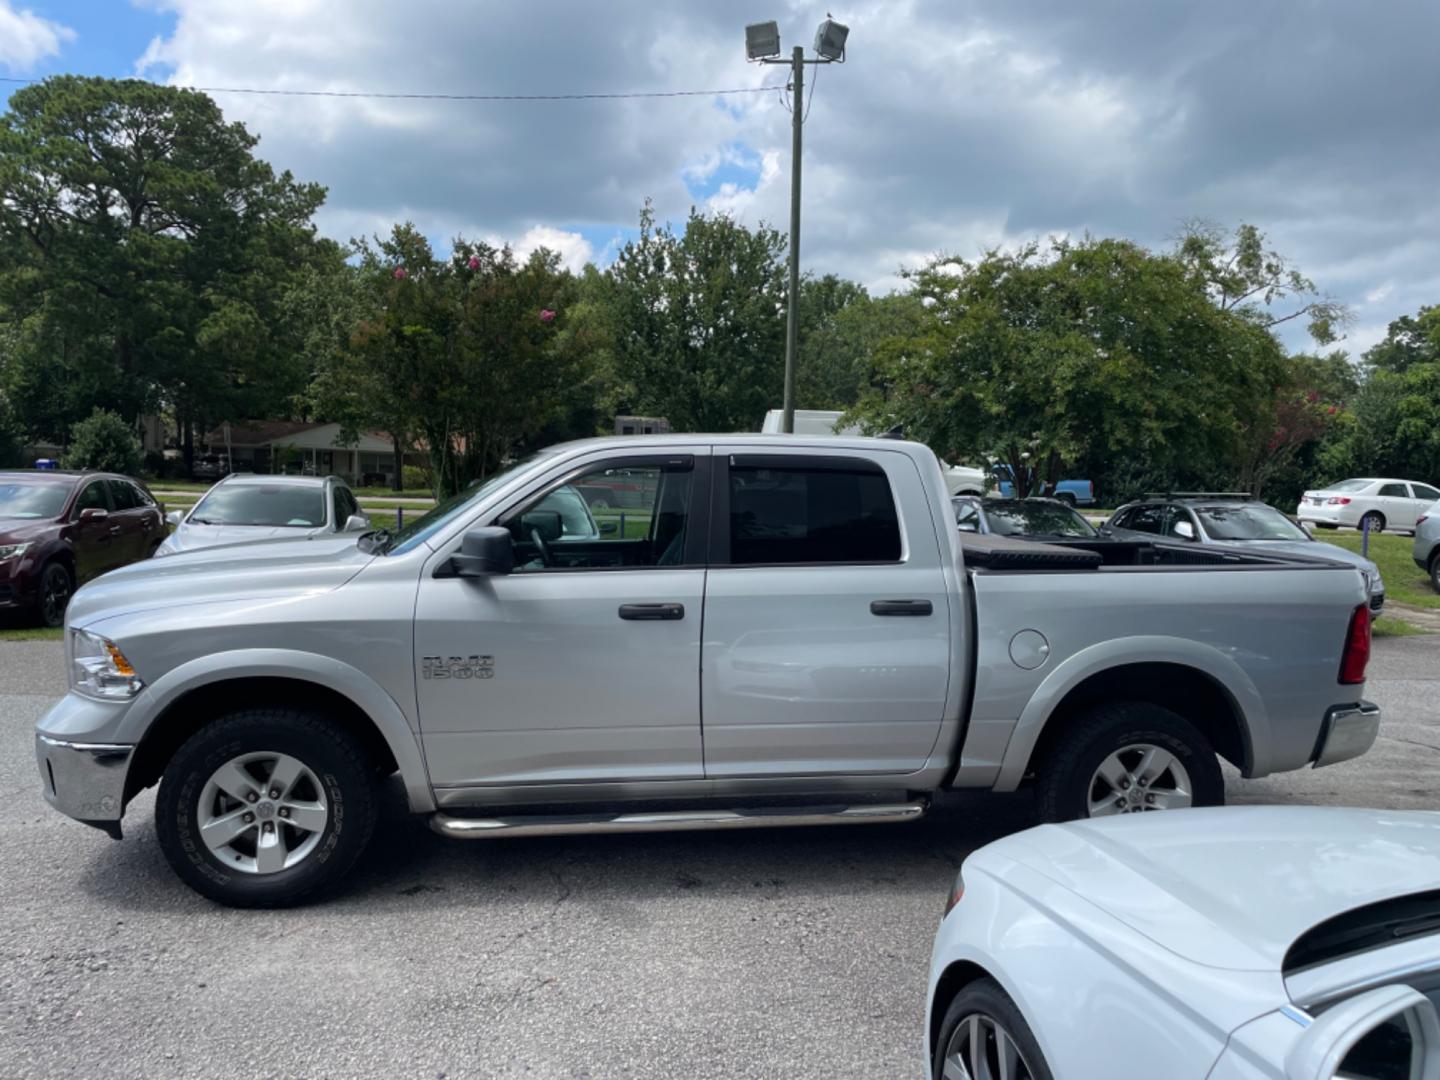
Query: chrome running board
(468,828)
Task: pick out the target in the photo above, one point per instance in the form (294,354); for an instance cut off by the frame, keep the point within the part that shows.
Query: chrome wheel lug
(1124,785)
(252,797)
(248,818)
(1149,798)
(285,811)
(274,792)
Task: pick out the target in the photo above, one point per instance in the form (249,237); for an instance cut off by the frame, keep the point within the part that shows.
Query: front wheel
(55,589)
(266,807)
(1128,758)
(984,1035)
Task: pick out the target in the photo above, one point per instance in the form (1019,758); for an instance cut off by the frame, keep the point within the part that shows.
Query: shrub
(413,478)
(103,441)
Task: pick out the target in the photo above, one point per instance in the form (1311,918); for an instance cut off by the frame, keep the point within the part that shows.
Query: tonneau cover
(1014,553)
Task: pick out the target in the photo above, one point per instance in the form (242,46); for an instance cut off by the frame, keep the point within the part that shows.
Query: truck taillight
(1357,648)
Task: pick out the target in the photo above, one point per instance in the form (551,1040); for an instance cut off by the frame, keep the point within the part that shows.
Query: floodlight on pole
(762,40)
(762,45)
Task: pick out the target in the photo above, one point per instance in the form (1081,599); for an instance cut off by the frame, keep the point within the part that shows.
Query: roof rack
(1198,495)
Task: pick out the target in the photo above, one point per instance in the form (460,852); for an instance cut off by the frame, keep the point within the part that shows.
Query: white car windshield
(1350,485)
(274,505)
(1248,523)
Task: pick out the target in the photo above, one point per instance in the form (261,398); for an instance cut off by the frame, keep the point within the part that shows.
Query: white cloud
(574,250)
(952,128)
(26,38)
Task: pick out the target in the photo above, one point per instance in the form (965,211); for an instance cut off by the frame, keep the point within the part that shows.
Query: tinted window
(92,497)
(1147,519)
(30,500)
(1394,491)
(261,504)
(819,514)
(1385,1053)
(1425,491)
(123,496)
(344,505)
(614,516)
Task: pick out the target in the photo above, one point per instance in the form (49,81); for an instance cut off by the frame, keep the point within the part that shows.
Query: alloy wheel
(262,812)
(981,1049)
(54,595)
(1139,778)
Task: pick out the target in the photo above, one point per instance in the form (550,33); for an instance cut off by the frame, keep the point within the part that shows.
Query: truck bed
(1011,554)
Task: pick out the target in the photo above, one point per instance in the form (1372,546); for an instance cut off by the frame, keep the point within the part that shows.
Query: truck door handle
(901,607)
(649,612)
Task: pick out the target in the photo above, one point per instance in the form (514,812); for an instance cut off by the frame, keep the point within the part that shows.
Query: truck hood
(1235,887)
(192,537)
(244,571)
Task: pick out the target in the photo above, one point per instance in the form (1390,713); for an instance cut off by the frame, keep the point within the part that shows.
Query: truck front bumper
(84,780)
(1347,732)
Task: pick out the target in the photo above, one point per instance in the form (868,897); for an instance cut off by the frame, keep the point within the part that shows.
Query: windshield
(31,500)
(426,525)
(1026,518)
(276,505)
(1350,485)
(1247,522)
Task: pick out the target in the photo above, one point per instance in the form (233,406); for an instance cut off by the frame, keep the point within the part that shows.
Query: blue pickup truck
(1072,492)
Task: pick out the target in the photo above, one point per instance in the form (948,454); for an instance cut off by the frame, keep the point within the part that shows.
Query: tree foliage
(700,323)
(144,251)
(105,442)
(1038,358)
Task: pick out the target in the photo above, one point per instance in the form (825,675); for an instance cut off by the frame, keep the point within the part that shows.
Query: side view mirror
(609,528)
(968,526)
(1185,530)
(483,552)
(94,513)
(1321,1052)
(357,523)
(174,517)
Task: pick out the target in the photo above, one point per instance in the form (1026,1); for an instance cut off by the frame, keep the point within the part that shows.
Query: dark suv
(1232,518)
(60,529)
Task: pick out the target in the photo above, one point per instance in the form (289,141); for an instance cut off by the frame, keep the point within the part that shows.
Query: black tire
(1063,786)
(1322,525)
(1376,519)
(324,748)
(56,587)
(1435,570)
(1066,498)
(985,998)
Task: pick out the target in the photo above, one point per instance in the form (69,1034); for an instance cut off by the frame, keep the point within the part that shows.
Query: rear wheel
(1066,498)
(984,1035)
(56,586)
(266,807)
(1376,520)
(1128,758)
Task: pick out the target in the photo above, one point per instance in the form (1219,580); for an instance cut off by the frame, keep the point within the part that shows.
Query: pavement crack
(1413,742)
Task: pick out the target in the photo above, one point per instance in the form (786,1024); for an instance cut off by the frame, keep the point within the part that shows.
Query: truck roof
(826,442)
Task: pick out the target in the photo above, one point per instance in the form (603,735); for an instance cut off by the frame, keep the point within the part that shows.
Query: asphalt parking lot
(788,953)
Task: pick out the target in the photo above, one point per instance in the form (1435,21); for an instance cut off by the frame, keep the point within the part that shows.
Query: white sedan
(1388,504)
(245,507)
(1245,943)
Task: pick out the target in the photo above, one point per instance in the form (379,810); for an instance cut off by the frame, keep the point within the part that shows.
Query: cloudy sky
(952,127)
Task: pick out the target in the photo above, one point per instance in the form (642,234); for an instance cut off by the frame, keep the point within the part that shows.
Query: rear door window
(812,510)
(1146,519)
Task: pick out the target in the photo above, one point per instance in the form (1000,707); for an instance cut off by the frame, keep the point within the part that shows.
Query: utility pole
(762,45)
(792,313)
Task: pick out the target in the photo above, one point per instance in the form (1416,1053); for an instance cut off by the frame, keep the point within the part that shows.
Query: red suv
(60,529)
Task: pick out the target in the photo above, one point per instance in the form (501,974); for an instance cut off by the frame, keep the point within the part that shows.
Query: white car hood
(1234,887)
(268,569)
(189,537)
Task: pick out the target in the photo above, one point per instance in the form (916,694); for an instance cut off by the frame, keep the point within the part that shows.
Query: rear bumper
(1327,515)
(1347,732)
(85,781)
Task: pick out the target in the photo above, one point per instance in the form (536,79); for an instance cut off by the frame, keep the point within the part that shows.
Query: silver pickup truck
(683,632)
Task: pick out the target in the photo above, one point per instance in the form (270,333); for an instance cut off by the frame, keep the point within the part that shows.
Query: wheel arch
(958,975)
(1191,679)
(181,702)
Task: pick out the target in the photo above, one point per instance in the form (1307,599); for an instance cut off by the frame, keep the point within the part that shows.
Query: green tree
(1410,340)
(1242,275)
(1040,358)
(145,249)
(841,328)
(700,322)
(103,441)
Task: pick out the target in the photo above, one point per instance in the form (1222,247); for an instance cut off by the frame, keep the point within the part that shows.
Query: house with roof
(287,446)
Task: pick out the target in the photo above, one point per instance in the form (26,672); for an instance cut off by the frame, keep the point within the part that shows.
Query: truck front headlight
(98,668)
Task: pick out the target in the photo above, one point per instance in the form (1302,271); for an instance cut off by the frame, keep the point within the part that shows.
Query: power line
(455,97)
